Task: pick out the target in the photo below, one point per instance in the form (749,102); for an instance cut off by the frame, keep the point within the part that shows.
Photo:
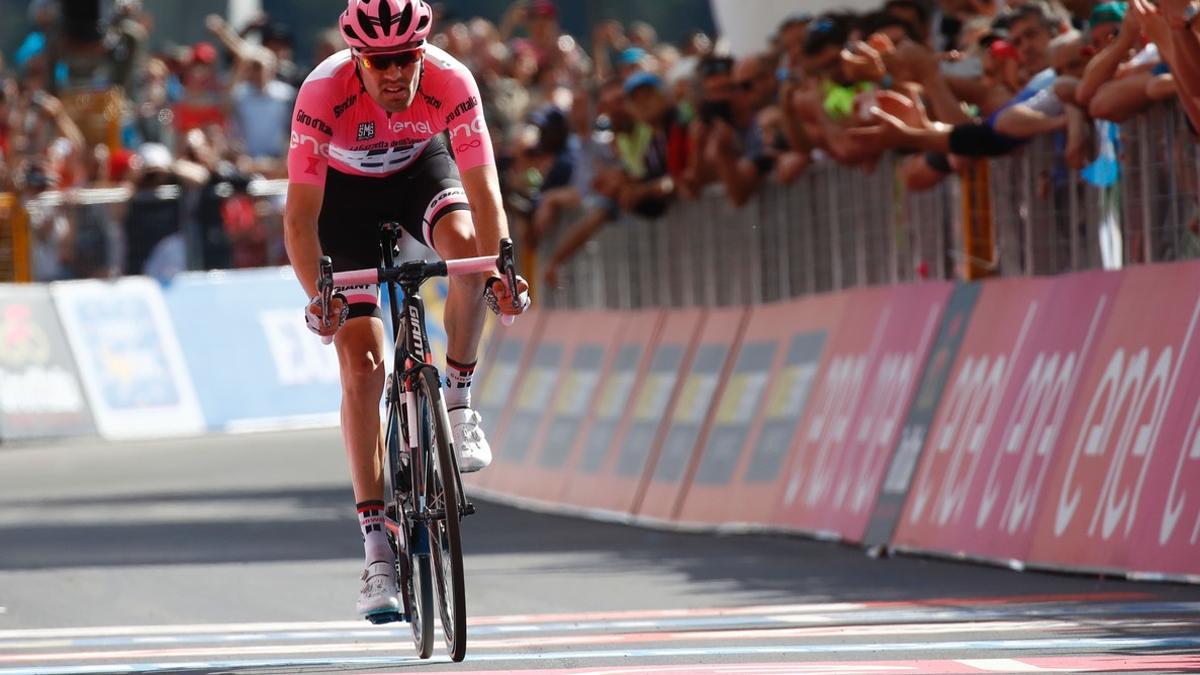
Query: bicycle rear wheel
(412,548)
(444,533)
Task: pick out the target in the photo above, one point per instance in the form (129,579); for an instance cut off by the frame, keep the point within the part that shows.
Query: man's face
(646,103)
(1031,38)
(826,64)
(1100,36)
(392,79)
(753,86)
(1071,59)
(792,42)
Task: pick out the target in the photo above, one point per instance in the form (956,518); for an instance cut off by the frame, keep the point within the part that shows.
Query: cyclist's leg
(360,358)
(348,228)
(440,206)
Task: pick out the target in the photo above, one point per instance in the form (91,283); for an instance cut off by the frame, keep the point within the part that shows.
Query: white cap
(154,156)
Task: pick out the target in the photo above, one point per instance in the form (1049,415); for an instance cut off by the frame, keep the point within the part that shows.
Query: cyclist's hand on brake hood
(335,317)
(500,300)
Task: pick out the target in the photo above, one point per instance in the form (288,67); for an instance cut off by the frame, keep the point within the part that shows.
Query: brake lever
(325,291)
(506,264)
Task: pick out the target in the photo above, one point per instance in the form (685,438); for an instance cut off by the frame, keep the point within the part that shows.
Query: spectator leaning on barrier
(737,141)
(1117,82)
(1177,34)
(666,154)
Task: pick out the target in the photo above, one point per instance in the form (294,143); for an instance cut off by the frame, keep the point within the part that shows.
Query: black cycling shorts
(354,206)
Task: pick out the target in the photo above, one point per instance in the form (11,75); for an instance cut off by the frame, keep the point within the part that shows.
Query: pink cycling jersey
(336,123)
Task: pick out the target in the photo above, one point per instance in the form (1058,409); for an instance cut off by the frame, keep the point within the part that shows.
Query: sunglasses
(383,62)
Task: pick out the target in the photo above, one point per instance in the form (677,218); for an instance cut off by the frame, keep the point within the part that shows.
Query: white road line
(1008,666)
(1077,645)
(542,642)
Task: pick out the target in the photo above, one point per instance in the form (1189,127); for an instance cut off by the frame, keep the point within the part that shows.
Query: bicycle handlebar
(417,272)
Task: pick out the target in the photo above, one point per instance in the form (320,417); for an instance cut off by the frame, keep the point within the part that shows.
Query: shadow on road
(318,524)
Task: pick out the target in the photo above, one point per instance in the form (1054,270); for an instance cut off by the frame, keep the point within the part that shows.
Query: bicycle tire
(445,535)
(418,581)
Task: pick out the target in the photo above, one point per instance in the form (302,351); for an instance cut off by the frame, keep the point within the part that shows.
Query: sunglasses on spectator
(383,62)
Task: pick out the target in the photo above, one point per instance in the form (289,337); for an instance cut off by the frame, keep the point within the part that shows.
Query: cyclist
(369,145)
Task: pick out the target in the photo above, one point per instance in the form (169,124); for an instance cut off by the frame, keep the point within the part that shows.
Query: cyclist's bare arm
(482,185)
(300,232)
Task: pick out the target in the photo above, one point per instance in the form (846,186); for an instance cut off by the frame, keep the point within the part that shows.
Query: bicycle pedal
(387,617)
(469,509)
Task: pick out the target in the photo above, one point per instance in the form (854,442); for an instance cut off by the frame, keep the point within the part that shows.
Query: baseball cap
(544,8)
(1108,12)
(642,79)
(204,52)
(154,156)
(631,56)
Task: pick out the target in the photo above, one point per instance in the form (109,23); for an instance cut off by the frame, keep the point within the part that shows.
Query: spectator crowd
(626,123)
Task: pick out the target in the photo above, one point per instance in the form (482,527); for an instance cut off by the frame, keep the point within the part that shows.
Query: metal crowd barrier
(834,228)
(15,216)
(838,228)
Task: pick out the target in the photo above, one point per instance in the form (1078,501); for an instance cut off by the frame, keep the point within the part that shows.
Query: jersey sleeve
(308,154)
(468,132)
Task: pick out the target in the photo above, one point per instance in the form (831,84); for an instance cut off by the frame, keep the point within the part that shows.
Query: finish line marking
(1098,663)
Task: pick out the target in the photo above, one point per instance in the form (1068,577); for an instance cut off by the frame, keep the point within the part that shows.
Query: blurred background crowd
(167,159)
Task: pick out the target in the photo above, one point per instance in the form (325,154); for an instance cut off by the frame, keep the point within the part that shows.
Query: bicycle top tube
(415,272)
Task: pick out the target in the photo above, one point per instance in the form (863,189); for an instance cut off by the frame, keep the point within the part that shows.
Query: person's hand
(327,324)
(517,13)
(500,299)
(862,62)
(1172,10)
(1153,24)
(790,165)
(888,130)
(912,62)
(911,111)
(51,106)
(720,144)
(215,23)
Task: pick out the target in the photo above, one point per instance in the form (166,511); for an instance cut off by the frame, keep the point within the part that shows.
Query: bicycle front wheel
(445,540)
(411,545)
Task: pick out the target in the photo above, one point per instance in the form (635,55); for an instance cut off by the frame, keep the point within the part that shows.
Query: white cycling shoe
(379,595)
(472,447)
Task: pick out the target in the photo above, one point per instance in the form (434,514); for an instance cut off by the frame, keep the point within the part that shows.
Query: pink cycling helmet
(385,24)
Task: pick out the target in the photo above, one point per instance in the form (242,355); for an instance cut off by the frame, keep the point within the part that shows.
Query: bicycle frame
(410,339)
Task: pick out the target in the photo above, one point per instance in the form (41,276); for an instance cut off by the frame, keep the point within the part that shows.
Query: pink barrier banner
(1123,490)
(740,470)
(1000,331)
(859,404)
(671,465)
(589,340)
(509,353)
(615,455)
(996,446)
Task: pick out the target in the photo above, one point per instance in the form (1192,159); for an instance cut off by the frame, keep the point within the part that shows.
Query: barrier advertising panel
(1118,496)
(589,475)
(586,340)
(857,407)
(128,357)
(628,452)
(671,466)
(40,392)
(927,398)
(1000,333)
(494,395)
(261,336)
(740,471)
(993,488)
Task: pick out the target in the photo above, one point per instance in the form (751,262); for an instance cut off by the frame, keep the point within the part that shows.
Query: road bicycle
(423,491)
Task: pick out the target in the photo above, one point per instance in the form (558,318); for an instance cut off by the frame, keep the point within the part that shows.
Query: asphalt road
(240,554)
